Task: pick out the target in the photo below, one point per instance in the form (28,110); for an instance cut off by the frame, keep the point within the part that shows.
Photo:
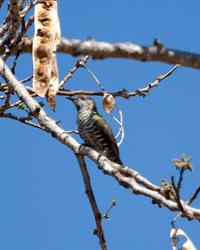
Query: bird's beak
(70,98)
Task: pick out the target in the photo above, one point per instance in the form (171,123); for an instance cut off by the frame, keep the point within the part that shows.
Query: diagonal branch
(15,17)
(79,63)
(89,192)
(25,120)
(124,176)
(1,2)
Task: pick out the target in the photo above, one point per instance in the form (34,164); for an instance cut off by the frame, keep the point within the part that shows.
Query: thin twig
(194,196)
(79,63)
(26,9)
(15,17)
(141,92)
(6,104)
(106,216)
(30,5)
(73,131)
(94,78)
(15,62)
(188,203)
(26,79)
(89,192)
(145,90)
(178,186)
(25,120)
(177,194)
(64,92)
(18,41)
(121,125)
(23,30)
(1,2)
(5,26)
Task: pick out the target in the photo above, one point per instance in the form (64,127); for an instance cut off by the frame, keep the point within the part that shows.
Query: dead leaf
(188,245)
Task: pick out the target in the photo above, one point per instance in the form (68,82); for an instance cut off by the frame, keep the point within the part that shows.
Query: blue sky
(42,197)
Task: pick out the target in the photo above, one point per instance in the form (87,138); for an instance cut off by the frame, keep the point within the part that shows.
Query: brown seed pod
(46,38)
(108,102)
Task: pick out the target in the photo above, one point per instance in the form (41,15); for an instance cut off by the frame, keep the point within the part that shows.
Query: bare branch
(3,28)
(89,192)
(15,17)
(23,30)
(20,4)
(27,79)
(6,104)
(188,203)
(124,176)
(103,50)
(102,88)
(79,63)
(194,196)
(24,120)
(141,92)
(29,6)
(177,193)
(1,2)
(15,62)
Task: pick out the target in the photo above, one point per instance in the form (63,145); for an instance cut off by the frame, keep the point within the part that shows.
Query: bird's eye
(82,98)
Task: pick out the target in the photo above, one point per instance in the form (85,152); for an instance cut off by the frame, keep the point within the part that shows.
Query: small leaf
(189,167)
(176,162)
(167,190)
(182,163)
(182,157)
(124,90)
(114,202)
(189,159)
(22,106)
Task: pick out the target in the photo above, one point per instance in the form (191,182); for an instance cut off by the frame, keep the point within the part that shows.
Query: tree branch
(103,50)
(125,176)
(25,120)
(15,18)
(140,91)
(89,192)
(1,2)
(79,63)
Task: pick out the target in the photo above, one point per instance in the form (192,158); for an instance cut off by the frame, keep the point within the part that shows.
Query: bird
(94,129)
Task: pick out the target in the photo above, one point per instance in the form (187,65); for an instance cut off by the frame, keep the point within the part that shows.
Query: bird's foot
(84,145)
(101,154)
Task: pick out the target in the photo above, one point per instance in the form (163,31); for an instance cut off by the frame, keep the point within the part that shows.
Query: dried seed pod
(108,102)
(46,38)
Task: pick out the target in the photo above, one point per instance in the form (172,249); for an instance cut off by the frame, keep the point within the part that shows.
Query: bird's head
(83,102)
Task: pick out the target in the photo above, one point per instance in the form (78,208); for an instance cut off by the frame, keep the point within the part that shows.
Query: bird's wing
(106,130)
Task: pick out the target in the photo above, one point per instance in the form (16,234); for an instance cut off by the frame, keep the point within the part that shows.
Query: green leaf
(22,106)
